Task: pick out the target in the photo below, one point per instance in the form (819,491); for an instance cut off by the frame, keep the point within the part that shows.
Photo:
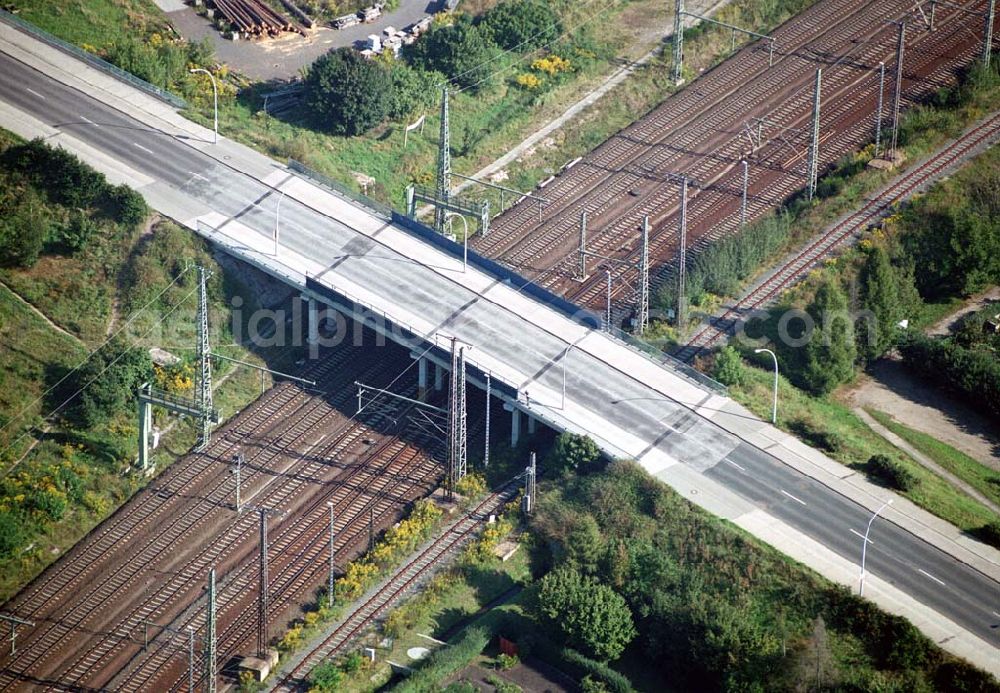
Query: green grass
(974,473)
(93,23)
(29,348)
(78,293)
(854,443)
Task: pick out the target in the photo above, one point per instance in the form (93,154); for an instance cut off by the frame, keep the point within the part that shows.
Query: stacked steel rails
(851,226)
(255,17)
(704,131)
(148,562)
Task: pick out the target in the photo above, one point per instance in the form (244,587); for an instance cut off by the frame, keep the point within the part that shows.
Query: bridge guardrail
(340,189)
(91,59)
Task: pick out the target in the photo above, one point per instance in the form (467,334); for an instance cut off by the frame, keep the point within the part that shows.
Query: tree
(575,453)
(591,616)
(522,25)
(107,382)
(584,544)
(345,93)
(24,229)
(729,367)
(464,53)
(828,356)
(815,663)
(879,294)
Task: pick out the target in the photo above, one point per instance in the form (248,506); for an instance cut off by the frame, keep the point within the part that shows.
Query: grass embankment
(979,476)
(831,426)
(75,474)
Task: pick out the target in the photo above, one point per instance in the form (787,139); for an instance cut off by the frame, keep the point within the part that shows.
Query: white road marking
(996,614)
(862,536)
(924,572)
(148,151)
(736,465)
(85,118)
(797,500)
(35,93)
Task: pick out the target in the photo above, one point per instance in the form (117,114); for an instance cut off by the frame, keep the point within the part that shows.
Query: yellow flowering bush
(528,81)
(551,65)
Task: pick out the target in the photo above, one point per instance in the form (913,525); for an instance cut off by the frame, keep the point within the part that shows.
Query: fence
(92,60)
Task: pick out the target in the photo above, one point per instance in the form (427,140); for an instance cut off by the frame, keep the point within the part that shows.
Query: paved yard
(284,57)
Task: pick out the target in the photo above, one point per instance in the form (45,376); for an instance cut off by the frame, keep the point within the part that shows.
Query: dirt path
(948,323)
(890,388)
(43,316)
(925,461)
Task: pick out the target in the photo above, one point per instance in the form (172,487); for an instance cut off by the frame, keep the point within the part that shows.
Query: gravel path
(889,387)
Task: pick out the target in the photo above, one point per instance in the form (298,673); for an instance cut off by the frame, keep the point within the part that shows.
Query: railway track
(86,629)
(99,573)
(778,171)
(699,131)
(840,233)
(450,540)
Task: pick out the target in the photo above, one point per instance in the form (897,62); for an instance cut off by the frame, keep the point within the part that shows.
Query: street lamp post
(864,547)
(277,218)
(774,405)
(465,244)
(565,356)
(215,98)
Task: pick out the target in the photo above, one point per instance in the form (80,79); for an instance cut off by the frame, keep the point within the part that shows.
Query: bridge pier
(531,424)
(515,423)
(438,377)
(421,378)
(312,318)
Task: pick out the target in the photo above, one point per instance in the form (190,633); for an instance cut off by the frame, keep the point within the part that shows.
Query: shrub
(347,94)
(505,661)
(892,473)
(11,533)
(522,25)
(128,206)
(729,368)
(326,677)
(76,233)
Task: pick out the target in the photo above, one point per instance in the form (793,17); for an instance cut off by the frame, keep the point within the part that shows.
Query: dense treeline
(38,178)
(347,94)
(709,607)
(971,373)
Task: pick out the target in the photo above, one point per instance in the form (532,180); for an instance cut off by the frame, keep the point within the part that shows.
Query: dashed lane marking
(797,500)
(926,574)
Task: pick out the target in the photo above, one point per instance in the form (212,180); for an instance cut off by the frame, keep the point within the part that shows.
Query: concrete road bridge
(547,362)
